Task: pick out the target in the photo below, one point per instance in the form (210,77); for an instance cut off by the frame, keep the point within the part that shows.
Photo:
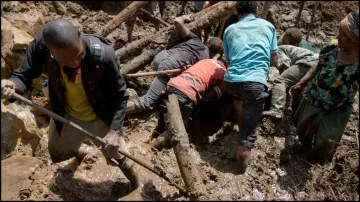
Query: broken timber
(155,73)
(302,4)
(156,18)
(311,20)
(181,146)
(139,62)
(121,17)
(202,20)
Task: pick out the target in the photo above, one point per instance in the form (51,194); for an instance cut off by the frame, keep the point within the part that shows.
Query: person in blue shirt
(249,47)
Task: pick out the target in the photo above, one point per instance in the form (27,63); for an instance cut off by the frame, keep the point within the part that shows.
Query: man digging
(85,87)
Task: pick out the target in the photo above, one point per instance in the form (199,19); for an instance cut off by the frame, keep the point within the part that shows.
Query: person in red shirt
(201,82)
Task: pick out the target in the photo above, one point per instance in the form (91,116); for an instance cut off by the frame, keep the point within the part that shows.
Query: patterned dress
(335,84)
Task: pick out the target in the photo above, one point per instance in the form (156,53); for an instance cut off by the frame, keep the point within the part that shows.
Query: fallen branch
(265,9)
(156,18)
(357,140)
(181,146)
(139,62)
(154,73)
(302,4)
(222,27)
(201,20)
(121,17)
(312,19)
(204,19)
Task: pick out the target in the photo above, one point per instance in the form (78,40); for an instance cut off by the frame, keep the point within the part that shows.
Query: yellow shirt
(77,104)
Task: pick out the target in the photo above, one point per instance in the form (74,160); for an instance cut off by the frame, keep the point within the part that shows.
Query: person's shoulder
(109,52)
(265,22)
(231,27)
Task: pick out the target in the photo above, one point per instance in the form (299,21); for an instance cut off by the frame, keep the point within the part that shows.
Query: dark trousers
(185,103)
(249,100)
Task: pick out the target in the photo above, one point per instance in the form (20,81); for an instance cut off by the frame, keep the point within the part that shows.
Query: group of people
(86,87)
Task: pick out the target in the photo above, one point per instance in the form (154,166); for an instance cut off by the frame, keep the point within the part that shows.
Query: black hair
(59,33)
(243,7)
(215,45)
(294,35)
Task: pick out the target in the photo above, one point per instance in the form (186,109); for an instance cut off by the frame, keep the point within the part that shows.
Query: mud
(274,173)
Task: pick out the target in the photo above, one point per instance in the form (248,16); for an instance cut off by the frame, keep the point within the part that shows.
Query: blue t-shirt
(248,45)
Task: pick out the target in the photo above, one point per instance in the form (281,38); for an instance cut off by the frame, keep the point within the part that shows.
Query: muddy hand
(8,89)
(114,140)
(296,89)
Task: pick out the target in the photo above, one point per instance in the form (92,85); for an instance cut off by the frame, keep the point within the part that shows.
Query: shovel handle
(158,172)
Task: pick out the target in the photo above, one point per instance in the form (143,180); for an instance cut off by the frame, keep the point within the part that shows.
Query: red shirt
(196,80)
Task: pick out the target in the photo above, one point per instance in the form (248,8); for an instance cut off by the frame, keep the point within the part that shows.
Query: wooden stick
(99,140)
(302,4)
(265,9)
(312,19)
(155,73)
(181,146)
(357,140)
(156,18)
(121,17)
(222,27)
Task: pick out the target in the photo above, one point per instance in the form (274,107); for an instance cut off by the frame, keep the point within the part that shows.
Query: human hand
(114,140)
(8,89)
(296,89)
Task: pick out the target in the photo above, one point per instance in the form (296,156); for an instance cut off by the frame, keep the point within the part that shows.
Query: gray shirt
(291,55)
(190,51)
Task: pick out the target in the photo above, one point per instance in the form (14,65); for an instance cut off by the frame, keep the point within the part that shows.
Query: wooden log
(139,62)
(201,20)
(204,19)
(154,73)
(134,48)
(311,20)
(302,4)
(156,18)
(265,9)
(181,146)
(222,27)
(121,17)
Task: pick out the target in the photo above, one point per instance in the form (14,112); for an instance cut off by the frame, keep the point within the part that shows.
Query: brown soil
(274,173)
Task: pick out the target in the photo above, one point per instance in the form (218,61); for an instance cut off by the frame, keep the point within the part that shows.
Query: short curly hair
(243,7)
(215,45)
(294,35)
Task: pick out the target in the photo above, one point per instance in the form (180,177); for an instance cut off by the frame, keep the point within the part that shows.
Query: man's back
(190,51)
(194,81)
(291,55)
(248,45)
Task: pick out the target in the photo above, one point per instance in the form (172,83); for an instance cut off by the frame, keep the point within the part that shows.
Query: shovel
(93,137)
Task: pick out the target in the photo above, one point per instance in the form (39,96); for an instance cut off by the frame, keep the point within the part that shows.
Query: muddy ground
(274,173)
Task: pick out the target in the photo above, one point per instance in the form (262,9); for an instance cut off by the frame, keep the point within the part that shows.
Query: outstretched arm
(180,26)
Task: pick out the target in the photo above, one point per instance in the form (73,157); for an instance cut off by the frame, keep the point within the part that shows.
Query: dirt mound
(274,173)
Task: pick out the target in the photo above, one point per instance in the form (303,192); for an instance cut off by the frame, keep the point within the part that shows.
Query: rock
(30,22)
(21,39)
(13,44)
(15,174)
(272,17)
(43,102)
(59,7)
(6,69)
(17,122)
(75,8)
